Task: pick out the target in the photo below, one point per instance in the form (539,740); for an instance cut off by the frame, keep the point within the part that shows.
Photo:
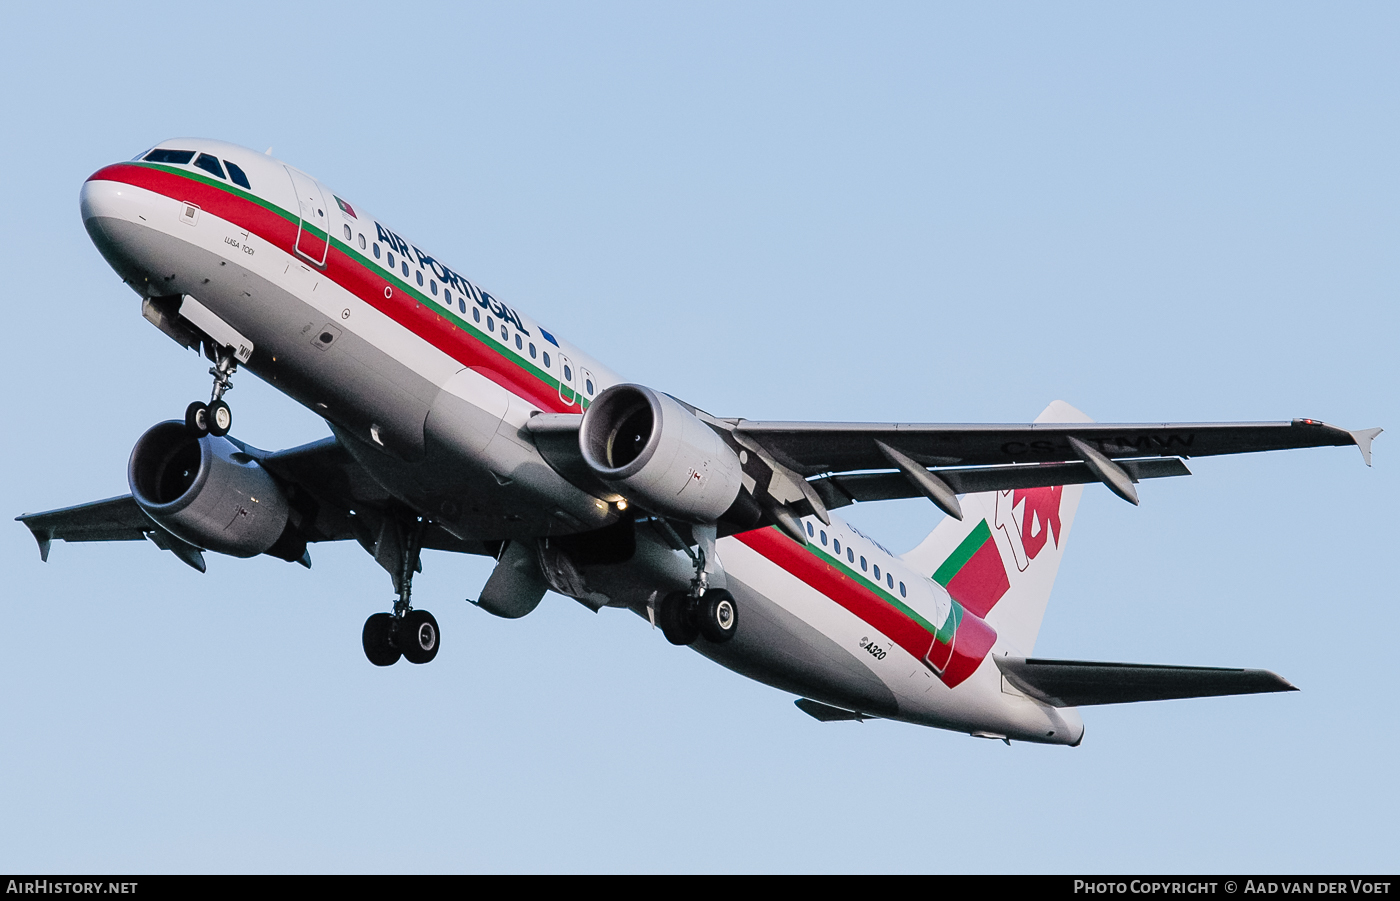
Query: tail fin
(1000,561)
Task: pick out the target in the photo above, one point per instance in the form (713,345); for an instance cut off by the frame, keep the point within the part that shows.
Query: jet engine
(649,448)
(207,492)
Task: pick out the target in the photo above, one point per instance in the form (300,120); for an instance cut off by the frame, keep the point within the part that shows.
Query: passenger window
(447,297)
(403,264)
(889,579)
(391,258)
(182,157)
(505,334)
(362,242)
(902,592)
(349,235)
(239,178)
(588,386)
(546,360)
(850,555)
(476,314)
(432,283)
(519,345)
(810,531)
(532,350)
(420,276)
(836,542)
(568,373)
(862,564)
(490,325)
(462,305)
(823,537)
(210,164)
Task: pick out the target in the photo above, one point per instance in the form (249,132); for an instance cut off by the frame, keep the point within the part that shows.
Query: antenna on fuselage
(267,152)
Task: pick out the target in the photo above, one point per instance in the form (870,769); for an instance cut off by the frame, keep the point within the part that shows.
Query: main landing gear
(214,418)
(408,633)
(686,615)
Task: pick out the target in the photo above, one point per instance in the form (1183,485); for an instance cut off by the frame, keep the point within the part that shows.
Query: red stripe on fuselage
(354,276)
(974,637)
(971,644)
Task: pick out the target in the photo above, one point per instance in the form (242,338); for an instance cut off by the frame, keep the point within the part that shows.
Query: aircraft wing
(333,496)
(115,519)
(812,448)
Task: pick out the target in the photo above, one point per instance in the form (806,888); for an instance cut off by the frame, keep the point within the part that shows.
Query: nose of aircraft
(100,197)
(113,212)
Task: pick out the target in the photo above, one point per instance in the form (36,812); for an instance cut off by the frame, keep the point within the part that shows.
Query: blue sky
(785,211)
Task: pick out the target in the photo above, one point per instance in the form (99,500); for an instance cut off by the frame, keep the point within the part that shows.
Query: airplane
(460,423)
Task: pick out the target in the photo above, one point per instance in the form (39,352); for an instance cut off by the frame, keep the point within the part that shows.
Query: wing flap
(1082,683)
(841,490)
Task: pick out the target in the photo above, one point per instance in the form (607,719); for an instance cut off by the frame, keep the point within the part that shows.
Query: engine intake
(207,492)
(648,447)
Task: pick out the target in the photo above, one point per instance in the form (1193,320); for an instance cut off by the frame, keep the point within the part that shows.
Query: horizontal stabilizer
(828,714)
(1363,439)
(1081,683)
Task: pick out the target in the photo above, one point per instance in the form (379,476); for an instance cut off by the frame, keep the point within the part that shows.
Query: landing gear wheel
(418,637)
(197,419)
(378,648)
(220,419)
(717,616)
(676,618)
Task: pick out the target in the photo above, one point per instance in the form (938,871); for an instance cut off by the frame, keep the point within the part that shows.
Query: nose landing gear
(214,418)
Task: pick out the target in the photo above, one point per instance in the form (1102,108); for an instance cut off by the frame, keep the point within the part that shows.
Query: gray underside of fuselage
(779,649)
(771,646)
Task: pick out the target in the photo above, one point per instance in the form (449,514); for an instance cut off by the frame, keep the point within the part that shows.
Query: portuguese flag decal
(974,573)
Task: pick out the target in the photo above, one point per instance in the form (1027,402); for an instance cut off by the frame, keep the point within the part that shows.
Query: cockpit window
(237,175)
(210,164)
(180,157)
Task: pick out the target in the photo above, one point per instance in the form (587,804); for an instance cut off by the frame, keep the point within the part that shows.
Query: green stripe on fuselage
(877,589)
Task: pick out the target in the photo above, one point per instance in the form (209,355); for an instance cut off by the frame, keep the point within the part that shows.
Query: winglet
(43,536)
(1363,439)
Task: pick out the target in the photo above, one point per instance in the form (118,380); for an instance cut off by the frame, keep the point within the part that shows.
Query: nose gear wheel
(214,418)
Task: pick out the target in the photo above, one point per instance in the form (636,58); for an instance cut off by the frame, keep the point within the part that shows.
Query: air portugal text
(450,278)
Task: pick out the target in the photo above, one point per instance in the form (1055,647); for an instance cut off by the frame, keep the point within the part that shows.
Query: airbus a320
(462,424)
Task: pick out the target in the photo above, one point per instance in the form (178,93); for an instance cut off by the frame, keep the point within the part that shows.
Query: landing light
(622,505)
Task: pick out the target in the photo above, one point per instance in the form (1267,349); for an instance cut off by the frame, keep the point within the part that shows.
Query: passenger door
(313,225)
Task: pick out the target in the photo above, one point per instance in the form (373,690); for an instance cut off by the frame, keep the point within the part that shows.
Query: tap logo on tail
(1030,518)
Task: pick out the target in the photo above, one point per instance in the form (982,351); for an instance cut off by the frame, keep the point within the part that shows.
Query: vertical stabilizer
(1000,562)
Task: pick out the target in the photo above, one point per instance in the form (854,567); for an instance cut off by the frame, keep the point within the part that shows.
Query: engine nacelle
(651,449)
(207,492)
